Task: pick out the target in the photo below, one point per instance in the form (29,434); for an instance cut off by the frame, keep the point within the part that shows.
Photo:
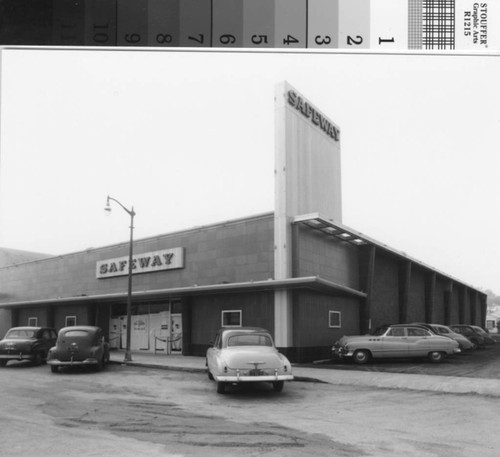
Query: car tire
(436,356)
(278,385)
(3,363)
(210,375)
(37,359)
(221,387)
(100,364)
(54,369)
(361,357)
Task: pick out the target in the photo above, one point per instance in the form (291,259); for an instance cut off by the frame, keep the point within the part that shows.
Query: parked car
(27,343)
(488,339)
(246,354)
(396,341)
(464,343)
(81,345)
(473,335)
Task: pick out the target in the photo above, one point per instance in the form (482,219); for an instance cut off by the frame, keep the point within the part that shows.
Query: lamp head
(107,208)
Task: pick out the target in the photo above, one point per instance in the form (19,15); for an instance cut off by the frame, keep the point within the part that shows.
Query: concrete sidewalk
(431,383)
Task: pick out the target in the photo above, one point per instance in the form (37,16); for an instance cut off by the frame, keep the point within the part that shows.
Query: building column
(483,310)
(367,273)
(430,294)
(448,293)
(473,305)
(404,289)
(283,322)
(461,305)
(186,326)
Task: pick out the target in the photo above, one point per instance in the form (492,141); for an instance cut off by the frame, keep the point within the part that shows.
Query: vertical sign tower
(307,180)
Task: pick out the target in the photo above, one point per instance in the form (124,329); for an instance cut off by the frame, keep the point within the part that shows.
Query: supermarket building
(297,271)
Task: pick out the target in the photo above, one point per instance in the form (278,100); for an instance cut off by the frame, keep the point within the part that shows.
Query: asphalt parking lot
(481,363)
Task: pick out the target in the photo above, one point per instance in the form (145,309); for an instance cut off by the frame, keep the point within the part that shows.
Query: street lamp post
(131,212)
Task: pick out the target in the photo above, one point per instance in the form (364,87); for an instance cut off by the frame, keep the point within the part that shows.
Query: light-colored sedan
(396,341)
(246,354)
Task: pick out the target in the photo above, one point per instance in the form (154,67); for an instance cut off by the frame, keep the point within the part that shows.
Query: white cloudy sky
(187,138)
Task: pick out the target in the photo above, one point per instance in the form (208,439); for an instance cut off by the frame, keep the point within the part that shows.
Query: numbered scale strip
(345,24)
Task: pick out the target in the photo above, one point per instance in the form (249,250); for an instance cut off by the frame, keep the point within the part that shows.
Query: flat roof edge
(311,282)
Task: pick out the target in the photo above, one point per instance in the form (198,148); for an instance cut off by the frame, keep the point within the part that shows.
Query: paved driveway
(482,363)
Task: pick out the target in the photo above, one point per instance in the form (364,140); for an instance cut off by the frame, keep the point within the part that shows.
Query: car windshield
(442,330)
(380,331)
(249,340)
(479,330)
(20,334)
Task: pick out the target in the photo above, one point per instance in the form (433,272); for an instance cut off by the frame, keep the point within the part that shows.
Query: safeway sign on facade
(166,259)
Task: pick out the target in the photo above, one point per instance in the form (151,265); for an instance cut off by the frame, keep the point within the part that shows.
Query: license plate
(256,372)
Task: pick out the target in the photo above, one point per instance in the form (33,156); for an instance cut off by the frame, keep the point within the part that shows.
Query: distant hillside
(15,256)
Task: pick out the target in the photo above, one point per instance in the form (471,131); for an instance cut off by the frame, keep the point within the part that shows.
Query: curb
(195,370)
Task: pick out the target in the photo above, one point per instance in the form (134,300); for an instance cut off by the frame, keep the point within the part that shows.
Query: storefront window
(231,318)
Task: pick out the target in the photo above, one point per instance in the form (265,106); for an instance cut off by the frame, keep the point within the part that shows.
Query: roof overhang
(314,283)
(341,232)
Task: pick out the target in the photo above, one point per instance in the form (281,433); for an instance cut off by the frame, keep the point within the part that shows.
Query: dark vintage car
(488,339)
(439,329)
(27,343)
(81,345)
(472,334)
(395,341)
(246,354)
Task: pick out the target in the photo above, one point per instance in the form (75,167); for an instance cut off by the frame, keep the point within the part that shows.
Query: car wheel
(3,363)
(54,369)
(100,364)
(221,387)
(210,376)
(436,356)
(360,357)
(278,385)
(37,359)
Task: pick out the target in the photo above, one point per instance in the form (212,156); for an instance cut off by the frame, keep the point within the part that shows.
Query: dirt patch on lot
(481,363)
(186,431)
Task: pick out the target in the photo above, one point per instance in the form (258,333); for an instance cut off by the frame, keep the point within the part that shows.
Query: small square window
(231,318)
(334,319)
(70,321)
(32,321)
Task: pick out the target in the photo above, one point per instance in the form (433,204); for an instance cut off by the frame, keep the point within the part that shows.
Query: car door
(419,341)
(394,343)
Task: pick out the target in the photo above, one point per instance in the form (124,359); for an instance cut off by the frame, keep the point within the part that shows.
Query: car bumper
(19,356)
(238,378)
(67,363)
(340,352)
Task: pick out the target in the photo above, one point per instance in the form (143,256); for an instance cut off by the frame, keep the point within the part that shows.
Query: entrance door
(176,335)
(139,339)
(159,331)
(114,333)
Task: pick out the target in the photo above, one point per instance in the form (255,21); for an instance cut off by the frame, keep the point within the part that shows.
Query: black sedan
(472,333)
(81,345)
(27,343)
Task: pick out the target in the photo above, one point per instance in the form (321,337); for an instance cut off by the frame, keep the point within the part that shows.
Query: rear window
(20,334)
(76,333)
(249,340)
